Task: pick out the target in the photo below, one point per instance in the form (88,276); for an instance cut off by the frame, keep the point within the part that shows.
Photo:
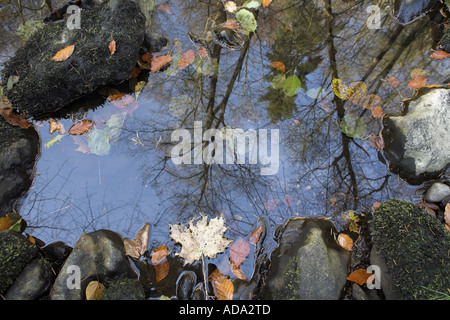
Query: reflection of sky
(75,192)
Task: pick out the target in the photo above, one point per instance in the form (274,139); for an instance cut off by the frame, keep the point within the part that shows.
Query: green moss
(124,289)
(416,247)
(291,282)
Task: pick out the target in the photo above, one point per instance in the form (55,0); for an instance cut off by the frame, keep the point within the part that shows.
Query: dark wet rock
(16,252)
(444,42)
(360,293)
(45,86)
(33,282)
(185,285)
(411,249)
(56,254)
(308,263)
(124,289)
(155,42)
(100,255)
(406,11)
(416,141)
(19,149)
(437,192)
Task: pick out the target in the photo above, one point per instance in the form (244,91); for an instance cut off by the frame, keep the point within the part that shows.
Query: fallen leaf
(147,57)
(186,59)
(232,24)
(418,72)
(239,251)
(136,71)
(165,8)
(116,96)
(266,3)
(160,62)
(203,52)
(230,6)
(393,81)
(82,145)
(376,204)
(160,262)
(440,54)
(359,92)
(447,214)
(271,204)
(5,223)
(359,276)
(50,143)
(345,241)
(64,54)
(288,200)
(278,65)
(254,236)
(112,46)
(55,126)
(371,101)
(341,90)
(238,272)
(136,248)
(14,119)
(376,141)
(417,82)
(81,127)
(377,112)
(433,86)
(94,290)
(31,239)
(223,287)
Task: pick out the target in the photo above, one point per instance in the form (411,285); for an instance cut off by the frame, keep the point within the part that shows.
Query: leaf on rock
(239,251)
(81,127)
(345,241)
(147,57)
(14,119)
(278,65)
(359,276)
(94,290)
(64,54)
(160,262)
(186,59)
(160,61)
(255,235)
(136,248)
(417,82)
(112,46)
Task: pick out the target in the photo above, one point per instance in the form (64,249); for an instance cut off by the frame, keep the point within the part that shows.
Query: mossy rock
(416,249)
(45,86)
(124,289)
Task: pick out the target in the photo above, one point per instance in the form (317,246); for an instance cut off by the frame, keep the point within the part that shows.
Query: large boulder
(308,264)
(411,247)
(100,256)
(417,142)
(45,86)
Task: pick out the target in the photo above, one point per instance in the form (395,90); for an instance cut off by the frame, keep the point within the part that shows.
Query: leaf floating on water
(64,54)
(376,141)
(230,6)
(222,285)
(341,90)
(292,85)
(393,81)
(359,276)
(417,82)
(112,46)
(136,248)
(186,59)
(94,290)
(377,112)
(81,127)
(82,145)
(232,24)
(266,3)
(278,65)
(160,262)
(353,126)
(239,251)
(372,101)
(203,52)
(247,20)
(55,126)
(278,81)
(99,142)
(255,235)
(53,141)
(440,55)
(345,241)
(252,4)
(160,61)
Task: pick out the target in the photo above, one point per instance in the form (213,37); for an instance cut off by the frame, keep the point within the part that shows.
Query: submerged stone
(45,86)
(407,11)
(417,142)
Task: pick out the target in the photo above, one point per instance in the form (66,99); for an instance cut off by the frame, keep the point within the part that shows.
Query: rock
(100,255)
(124,289)
(308,263)
(386,282)
(414,246)
(45,86)
(16,252)
(359,293)
(185,285)
(416,142)
(437,192)
(33,282)
(406,11)
(19,149)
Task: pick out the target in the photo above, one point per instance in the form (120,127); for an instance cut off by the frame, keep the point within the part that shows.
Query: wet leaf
(160,262)
(393,82)
(359,92)
(417,82)
(165,8)
(81,127)
(247,20)
(345,241)
(64,54)
(377,112)
(138,88)
(372,101)
(160,61)
(55,126)
(252,4)
(232,24)
(94,290)
(203,52)
(116,96)
(278,65)
(82,145)
(440,55)
(99,142)
(238,272)
(50,143)
(376,141)
(136,248)
(341,90)
(114,125)
(266,3)
(222,285)
(14,119)
(359,276)
(5,223)
(112,46)
(230,6)
(292,85)
(447,214)
(255,235)
(418,72)
(147,57)
(201,239)
(316,93)
(186,59)
(239,251)
(353,126)
(278,81)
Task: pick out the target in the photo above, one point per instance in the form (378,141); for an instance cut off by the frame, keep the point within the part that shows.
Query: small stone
(437,192)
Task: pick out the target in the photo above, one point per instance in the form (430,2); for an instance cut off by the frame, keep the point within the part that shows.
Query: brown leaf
(5,223)
(239,251)
(238,272)
(81,127)
(147,57)
(55,126)
(254,236)
(94,290)
(440,54)
(160,62)
(447,214)
(222,285)
(377,112)
(136,248)
(160,262)
(393,81)
(14,119)
(232,24)
(136,71)
(203,52)
(371,101)
(278,65)
(266,3)
(112,46)
(417,82)
(345,241)
(376,141)
(186,59)
(64,54)
(359,276)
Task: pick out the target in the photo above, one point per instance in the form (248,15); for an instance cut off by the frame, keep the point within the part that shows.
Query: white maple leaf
(203,239)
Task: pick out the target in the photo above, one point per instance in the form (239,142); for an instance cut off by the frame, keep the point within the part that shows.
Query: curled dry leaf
(64,54)
(94,290)
(359,276)
(136,248)
(345,241)
(160,262)
(81,127)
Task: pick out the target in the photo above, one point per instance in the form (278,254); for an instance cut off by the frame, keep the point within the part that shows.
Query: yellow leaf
(341,90)
(94,290)
(64,54)
(55,126)
(5,223)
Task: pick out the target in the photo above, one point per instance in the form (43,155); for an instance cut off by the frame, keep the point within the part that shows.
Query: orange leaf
(147,57)
(14,119)
(359,276)
(238,272)
(377,112)
(160,262)
(186,59)
(447,214)
(136,71)
(160,62)
(345,241)
(223,287)
(376,141)
(433,86)
(165,8)
(440,54)
(239,251)
(112,46)
(64,54)
(278,65)
(393,81)
(203,52)
(136,248)
(232,24)
(5,223)
(81,127)
(254,236)
(266,3)
(55,126)
(372,101)
(376,205)
(116,96)
(417,82)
